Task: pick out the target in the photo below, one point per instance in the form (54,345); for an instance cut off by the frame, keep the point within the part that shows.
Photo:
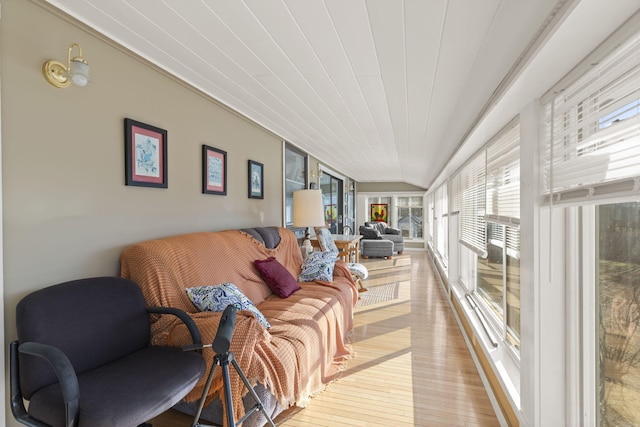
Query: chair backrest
(268,236)
(381,226)
(325,240)
(93,321)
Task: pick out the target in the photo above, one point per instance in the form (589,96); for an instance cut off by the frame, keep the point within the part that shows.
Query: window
(617,320)
(430,220)
(592,133)
(295,178)
(332,199)
(472,207)
(441,217)
(499,272)
(410,217)
(350,208)
(592,152)
(499,279)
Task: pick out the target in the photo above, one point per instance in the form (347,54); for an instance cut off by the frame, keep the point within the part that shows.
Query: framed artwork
(256,177)
(145,155)
(214,171)
(379,212)
(330,213)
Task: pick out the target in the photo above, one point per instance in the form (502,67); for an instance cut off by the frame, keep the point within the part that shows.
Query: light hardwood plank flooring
(412,367)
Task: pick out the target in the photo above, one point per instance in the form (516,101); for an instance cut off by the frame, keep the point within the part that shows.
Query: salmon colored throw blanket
(307,344)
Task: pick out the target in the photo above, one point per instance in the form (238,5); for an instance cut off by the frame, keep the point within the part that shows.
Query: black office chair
(83,357)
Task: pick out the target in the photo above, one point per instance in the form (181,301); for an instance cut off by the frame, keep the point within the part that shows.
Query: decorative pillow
(369,233)
(218,297)
(358,269)
(318,266)
(277,277)
(380,226)
(325,240)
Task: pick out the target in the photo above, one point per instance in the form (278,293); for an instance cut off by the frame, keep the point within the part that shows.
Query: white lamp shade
(79,72)
(308,210)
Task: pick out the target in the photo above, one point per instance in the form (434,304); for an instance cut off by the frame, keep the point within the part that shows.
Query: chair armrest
(184,317)
(66,377)
(395,231)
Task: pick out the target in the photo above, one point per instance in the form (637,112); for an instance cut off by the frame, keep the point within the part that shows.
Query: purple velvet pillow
(278,278)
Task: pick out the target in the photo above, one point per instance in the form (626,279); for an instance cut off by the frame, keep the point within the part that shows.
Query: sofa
(306,343)
(380,231)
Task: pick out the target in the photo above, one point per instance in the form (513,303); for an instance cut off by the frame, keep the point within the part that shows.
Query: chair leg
(361,287)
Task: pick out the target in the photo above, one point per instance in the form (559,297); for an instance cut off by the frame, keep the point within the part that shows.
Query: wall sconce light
(76,70)
(316,173)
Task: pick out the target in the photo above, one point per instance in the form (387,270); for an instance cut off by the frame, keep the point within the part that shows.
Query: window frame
(582,300)
(299,231)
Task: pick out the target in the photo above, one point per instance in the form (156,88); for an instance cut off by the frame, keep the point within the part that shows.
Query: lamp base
(306,248)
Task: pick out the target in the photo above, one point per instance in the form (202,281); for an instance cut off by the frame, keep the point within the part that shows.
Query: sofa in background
(380,231)
(306,345)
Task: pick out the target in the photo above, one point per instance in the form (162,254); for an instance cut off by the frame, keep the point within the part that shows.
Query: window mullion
(588,328)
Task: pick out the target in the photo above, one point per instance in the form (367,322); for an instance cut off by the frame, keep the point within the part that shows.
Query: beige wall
(67,213)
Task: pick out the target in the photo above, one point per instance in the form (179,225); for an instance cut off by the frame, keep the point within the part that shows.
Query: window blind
(472,212)
(456,194)
(503,177)
(513,242)
(592,129)
(441,213)
(430,215)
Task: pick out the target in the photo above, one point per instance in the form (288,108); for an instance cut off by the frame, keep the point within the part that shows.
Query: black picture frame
(256,180)
(214,171)
(145,155)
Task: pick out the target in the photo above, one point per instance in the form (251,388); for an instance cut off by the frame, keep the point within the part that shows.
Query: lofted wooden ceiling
(380,90)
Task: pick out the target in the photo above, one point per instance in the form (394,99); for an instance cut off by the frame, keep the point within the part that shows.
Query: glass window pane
(513,290)
(490,269)
(416,223)
(404,221)
(294,179)
(618,299)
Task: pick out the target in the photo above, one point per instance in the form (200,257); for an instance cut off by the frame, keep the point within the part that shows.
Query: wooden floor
(412,367)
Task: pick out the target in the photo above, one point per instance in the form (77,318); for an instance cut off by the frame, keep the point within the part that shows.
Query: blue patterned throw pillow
(218,297)
(318,266)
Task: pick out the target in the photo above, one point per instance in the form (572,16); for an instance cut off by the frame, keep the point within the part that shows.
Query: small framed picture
(145,155)
(256,183)
(214,171)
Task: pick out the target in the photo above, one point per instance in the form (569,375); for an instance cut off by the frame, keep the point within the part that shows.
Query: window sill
(503,377)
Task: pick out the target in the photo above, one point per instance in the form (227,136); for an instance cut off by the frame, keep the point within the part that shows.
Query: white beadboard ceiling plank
(284,81)
(465,29)
(314,19)
(351,22)
(424,28)
(305,66)
(388,27)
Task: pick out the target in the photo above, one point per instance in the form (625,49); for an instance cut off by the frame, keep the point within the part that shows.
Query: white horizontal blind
(472,212)
(513,242)
(503,176)
(455,194)
(592,130)
(442,212)
(430,216)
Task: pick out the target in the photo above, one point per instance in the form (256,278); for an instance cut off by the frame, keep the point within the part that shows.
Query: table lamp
(308,211)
